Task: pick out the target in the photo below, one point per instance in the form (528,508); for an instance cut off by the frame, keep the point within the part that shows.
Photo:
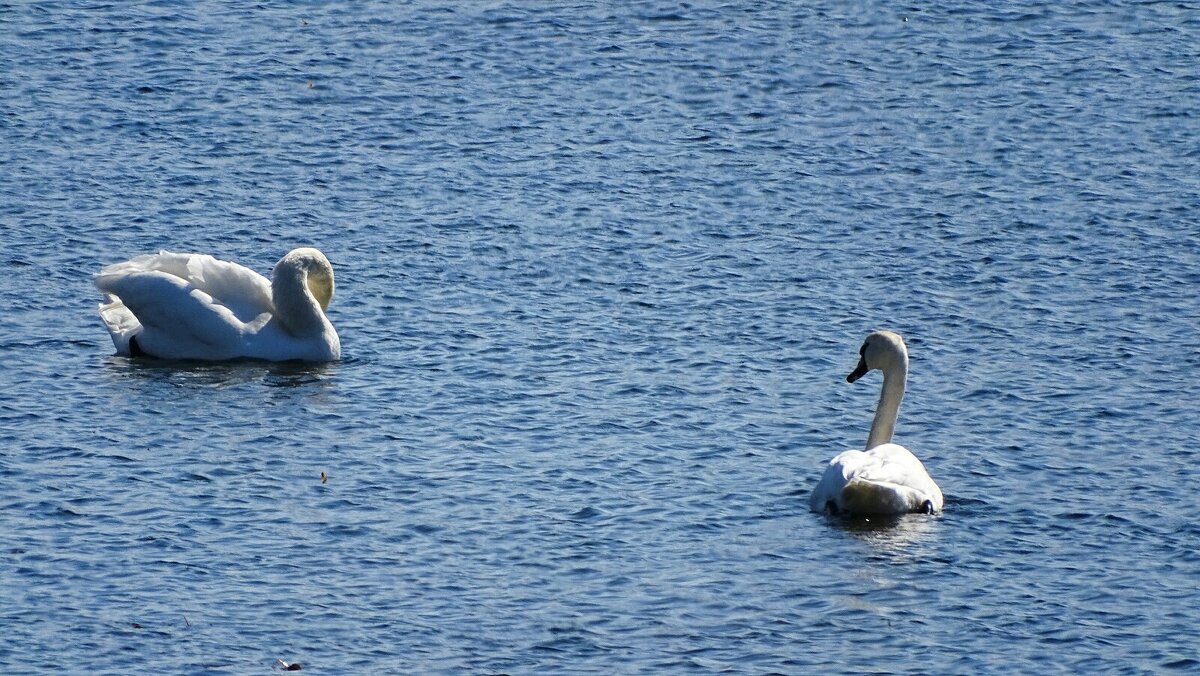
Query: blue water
(602,269)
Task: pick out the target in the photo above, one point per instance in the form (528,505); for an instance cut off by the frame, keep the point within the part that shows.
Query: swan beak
(858,372)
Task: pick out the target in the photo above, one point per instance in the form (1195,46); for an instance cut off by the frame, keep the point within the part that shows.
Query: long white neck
(895,378)
(295,306)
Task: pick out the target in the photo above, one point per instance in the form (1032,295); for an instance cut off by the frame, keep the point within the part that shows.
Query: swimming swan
(193,306)
(886,478)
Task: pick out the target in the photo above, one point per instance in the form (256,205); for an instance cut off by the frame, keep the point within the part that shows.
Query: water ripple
(601,273)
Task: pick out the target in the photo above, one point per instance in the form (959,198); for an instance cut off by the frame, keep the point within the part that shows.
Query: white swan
(886,478)
(193,306)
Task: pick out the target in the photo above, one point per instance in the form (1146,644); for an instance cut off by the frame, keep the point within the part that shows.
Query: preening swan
(886,478)
(193,306)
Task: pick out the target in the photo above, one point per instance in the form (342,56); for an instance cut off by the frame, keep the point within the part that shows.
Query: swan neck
(884,425)
(295,306)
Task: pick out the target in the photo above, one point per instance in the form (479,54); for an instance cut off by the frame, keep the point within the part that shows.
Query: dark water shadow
(907,531)
(188,373)
(890,533)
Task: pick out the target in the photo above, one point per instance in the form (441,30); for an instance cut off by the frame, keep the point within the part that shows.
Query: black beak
(859,371)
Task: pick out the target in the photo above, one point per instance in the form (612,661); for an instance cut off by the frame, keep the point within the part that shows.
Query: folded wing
(177,319)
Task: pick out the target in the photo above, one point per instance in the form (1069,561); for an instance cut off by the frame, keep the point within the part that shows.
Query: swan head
(883,350)
(315,270)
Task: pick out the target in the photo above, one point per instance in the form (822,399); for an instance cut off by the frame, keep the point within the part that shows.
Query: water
(602,270)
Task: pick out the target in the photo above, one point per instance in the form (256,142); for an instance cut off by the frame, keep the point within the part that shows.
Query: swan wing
(120,322)
(243,291)
(177,319)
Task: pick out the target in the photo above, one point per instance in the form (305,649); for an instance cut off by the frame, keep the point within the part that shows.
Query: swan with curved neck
(886,478)
(193,306)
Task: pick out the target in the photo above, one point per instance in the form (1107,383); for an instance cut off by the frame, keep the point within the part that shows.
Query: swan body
(886,478)
(193,306)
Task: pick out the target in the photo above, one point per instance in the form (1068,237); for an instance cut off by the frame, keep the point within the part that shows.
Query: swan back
(887,479)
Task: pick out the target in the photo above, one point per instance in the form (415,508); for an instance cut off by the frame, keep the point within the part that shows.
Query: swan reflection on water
(890,533)
(223,374)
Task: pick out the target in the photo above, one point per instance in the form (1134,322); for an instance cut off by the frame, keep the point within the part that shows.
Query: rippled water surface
(602,270)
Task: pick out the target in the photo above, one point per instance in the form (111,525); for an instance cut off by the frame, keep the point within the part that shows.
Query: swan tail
(121,324)
(860,496)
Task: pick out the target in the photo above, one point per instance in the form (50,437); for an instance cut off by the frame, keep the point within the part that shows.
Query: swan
(885,479)
(193,306)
